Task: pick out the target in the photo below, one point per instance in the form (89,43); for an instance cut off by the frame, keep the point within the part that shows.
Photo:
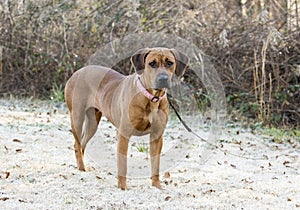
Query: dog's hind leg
(90,125)
(83,130)
(77,130)
(79,153)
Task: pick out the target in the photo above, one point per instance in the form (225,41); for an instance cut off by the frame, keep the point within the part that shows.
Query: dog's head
(158,65)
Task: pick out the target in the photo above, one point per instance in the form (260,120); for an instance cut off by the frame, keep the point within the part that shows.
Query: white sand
(38,169)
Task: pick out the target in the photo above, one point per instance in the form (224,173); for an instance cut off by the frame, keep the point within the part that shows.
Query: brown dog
(134,104)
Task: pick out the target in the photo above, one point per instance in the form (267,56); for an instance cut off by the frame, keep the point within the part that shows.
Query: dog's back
(81,86)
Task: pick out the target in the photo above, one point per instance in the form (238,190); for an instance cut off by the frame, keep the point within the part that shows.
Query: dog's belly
(141,133)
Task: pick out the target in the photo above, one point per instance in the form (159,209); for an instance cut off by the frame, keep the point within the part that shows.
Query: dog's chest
(141,118)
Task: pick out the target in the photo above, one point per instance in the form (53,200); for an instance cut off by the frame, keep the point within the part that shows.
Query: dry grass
(44,42)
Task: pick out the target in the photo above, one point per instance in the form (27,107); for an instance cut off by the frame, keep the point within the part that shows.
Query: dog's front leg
(155,150)
(122,160)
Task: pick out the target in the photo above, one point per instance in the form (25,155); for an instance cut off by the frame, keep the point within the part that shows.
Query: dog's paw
(82,168)
(157,184)
(122,183)
(122,187)
(156,181)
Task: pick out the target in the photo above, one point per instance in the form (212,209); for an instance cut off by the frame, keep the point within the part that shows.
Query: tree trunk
(293,14)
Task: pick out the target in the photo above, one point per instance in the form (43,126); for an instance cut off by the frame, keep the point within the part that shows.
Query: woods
(253,45)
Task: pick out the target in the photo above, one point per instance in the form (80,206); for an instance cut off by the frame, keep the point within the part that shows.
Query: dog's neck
(150,93)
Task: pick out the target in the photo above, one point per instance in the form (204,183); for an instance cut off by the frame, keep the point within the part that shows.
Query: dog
(136,104)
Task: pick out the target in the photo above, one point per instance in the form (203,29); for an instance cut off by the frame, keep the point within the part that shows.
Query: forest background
(253,45)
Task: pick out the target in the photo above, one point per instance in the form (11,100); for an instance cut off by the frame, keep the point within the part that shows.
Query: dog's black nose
(162,78)
(162,81)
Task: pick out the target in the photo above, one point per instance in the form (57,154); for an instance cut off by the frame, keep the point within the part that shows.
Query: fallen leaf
(233,166)
(17,140)
(167,198)
(63,176)
(247,181)
(191,195)
(238,142)
(7,173)
(6,149)
(209,191)
(4,198)
(98,177)
(167,174)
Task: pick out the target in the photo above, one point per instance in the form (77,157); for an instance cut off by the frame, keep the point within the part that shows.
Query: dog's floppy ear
(182,62)
(138,59)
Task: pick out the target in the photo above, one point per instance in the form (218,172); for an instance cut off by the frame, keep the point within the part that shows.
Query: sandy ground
(38,169)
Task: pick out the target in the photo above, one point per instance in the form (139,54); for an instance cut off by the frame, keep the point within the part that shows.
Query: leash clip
(155,99)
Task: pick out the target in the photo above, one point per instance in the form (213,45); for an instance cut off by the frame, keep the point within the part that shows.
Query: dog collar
(146,93)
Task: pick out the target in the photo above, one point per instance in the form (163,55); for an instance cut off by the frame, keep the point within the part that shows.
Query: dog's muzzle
(162,81)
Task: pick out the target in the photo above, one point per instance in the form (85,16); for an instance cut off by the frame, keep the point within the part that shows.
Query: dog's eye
(152,64)
(169,63)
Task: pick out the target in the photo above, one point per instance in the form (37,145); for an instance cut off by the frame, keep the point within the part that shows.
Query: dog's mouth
(161,86)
